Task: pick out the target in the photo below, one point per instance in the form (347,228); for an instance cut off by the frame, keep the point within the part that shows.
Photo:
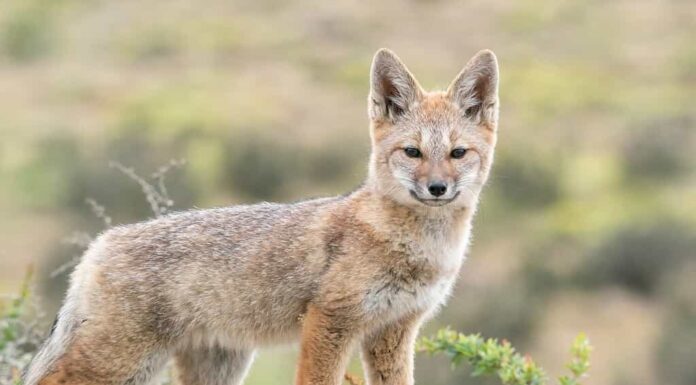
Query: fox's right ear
(392,87)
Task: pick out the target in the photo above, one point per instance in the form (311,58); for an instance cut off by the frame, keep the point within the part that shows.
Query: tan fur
(388,352)
(210,286)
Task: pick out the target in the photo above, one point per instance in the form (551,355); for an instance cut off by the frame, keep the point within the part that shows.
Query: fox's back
(255,266)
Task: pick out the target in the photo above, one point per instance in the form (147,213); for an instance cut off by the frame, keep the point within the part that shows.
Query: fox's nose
(437,188)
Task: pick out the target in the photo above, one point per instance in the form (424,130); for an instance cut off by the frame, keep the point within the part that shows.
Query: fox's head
(432,148)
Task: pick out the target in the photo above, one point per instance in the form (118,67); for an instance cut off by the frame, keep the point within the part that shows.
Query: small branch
(156,194)
(99,211)
(78,238)
(64,267)
(151,194)
(160,175)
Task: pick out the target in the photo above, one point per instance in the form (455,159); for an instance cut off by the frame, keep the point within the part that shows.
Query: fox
(208,288)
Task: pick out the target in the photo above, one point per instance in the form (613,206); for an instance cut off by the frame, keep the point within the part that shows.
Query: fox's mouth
(434,202)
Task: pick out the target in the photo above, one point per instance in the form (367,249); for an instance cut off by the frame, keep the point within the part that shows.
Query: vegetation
(491,357)
(20,336)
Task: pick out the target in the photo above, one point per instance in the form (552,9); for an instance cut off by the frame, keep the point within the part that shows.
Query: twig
(160,175)
(156,194)
(64,267)
(78,238)
(99,211)
(154,198)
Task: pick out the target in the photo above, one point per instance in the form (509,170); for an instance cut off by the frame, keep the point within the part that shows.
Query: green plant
(491,357)
(19,337)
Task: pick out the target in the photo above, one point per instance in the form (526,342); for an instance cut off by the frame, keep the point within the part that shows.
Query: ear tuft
(392,87)
(475,89)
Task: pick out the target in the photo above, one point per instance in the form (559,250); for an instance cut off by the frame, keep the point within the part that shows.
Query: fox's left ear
(475,89)
(393,90)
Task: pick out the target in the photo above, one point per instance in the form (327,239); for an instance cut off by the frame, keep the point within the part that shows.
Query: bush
(676,350)
(660,150)
(526,180)
(638,256)
(491,357)
(19,336)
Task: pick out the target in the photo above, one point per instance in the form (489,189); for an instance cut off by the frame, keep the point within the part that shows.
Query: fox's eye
(458,153)
(412,152)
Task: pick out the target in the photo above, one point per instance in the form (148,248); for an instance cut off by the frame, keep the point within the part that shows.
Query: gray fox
(209,287)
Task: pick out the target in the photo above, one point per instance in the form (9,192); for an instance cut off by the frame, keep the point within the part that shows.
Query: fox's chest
(392,299)
(418,280)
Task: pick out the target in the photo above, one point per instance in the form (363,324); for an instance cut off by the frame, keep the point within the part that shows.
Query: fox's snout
(436,177)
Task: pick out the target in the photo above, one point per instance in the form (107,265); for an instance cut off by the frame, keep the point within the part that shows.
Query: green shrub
(660,150)
(525,180)
(675,349)
(491,357)
(639,256)
(19,336)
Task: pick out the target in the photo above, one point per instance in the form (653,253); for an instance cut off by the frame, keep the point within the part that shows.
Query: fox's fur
(209,287)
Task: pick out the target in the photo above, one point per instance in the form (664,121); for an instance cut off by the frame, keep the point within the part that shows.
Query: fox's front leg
(387,354)
(325,347)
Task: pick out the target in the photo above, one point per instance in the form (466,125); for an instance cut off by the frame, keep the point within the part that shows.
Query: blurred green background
(588,223)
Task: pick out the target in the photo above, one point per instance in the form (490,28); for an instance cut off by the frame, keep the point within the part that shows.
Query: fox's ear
(392,87)
(475,89)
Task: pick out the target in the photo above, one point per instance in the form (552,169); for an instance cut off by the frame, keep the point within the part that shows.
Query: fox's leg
(387,354)
(213,365)
(326,342)
(99,359)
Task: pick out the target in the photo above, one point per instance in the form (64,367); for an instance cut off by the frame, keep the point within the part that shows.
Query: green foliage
(492,357)
(19,338)
(580,362)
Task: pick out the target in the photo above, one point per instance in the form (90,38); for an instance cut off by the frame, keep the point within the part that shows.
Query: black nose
(437,188)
